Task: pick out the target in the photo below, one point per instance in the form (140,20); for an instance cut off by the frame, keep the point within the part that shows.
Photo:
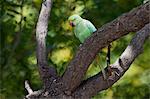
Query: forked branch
(128,22)
(96,84)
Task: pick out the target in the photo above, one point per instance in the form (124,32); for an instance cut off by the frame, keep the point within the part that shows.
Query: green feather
(83,28)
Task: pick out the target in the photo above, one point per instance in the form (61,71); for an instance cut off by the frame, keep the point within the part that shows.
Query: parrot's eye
(71,23)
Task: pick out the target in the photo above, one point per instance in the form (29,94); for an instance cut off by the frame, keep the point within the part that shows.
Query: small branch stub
(28,88)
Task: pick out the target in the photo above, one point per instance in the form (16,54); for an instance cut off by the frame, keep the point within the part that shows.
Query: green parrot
(83,29)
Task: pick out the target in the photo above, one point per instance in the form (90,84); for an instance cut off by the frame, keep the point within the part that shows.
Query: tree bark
(93,85)
(71,85)
(47,73)
(128,22)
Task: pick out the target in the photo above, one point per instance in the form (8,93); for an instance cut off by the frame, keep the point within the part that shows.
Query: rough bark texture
(128,22)
(97,83)
(41,32)
(47,74)
(71,85)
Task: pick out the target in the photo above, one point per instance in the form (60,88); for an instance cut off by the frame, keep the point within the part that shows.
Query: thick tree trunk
(71,85)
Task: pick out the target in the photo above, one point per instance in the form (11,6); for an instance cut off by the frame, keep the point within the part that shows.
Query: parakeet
(83,29)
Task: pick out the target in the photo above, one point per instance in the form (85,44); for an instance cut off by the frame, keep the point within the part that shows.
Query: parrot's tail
(108,62)
(102,68)
(103,71)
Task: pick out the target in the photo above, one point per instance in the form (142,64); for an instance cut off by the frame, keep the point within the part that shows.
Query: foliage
(18,57)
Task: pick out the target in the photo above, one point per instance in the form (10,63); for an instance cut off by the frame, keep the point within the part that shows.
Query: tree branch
(28,88)
(95,84)
(129,22)
(41,33)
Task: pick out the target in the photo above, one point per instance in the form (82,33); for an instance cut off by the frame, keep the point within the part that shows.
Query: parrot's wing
(90,26)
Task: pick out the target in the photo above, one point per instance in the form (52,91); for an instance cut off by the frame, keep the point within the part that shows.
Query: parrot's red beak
(71,24)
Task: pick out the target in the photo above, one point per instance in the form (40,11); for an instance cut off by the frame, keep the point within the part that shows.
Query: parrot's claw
(112,73)
(80,45)
(111,77)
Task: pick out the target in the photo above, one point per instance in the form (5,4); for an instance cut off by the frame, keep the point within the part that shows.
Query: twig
(28,88)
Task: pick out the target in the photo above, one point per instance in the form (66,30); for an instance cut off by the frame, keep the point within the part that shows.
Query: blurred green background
(18,45)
